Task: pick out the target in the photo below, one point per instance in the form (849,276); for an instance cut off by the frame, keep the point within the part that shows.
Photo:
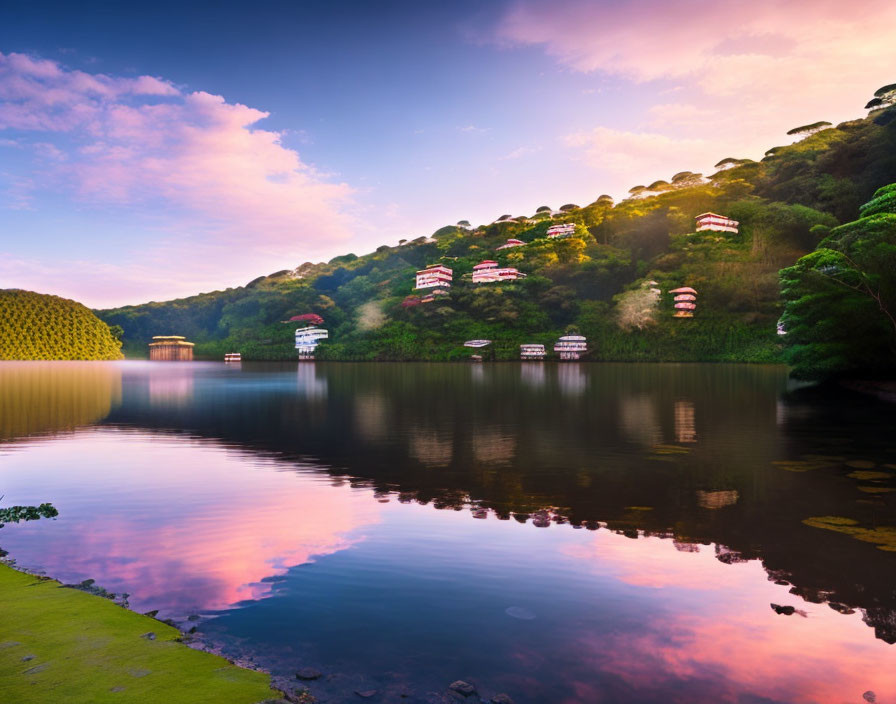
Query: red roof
(306,317)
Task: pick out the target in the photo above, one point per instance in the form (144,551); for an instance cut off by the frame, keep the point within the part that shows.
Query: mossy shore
(64,645)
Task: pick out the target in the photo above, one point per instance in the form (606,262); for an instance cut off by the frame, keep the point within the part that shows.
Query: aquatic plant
(14,514)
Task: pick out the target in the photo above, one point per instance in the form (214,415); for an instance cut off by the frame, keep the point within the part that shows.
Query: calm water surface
(561,533)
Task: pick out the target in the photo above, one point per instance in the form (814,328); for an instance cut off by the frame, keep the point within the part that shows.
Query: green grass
(88,650)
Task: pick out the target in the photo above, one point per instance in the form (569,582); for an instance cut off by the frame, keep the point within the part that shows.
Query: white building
(564,230)
(307,340)
(716,223)
(532,352)
(571,347)
(489,271)
(434,276)
(512,243)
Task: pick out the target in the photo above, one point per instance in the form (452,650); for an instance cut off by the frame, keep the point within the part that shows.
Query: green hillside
(39,326)
(595,281)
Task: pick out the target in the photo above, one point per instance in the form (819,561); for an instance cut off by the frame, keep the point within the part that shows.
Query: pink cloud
(190,161)
(640,156)
(744,73)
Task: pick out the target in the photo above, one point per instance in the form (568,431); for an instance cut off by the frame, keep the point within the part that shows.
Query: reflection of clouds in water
(370,416)
(684,646)
(308,383)
(685,428)
(171,383)
(639,419)
(40,397)
(533,374)
(201,526)
(491,446)
(571,379)
(429,448)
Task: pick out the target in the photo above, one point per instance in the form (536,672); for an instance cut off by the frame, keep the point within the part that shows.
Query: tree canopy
(840,300)
(806,130)
(39,326)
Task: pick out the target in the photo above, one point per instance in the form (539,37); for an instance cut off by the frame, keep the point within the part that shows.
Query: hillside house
(434,277)
(716,223)
(490,271)
(564,230)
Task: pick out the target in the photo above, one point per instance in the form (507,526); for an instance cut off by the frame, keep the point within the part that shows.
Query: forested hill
(597,281)
(39,326)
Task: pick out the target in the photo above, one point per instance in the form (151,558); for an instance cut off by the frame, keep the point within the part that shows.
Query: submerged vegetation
(39,326)
(591,282)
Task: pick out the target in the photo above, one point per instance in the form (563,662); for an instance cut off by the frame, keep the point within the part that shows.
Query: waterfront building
(434,276)
(531,352)
(489,271)
(233,357)
(716,223)
(510,243)
(477,343)
(571,347)
(170,348)
(307,340)
(564,230)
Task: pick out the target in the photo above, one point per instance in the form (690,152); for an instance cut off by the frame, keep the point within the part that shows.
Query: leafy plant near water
(39,326)
(786,204)
(14,514)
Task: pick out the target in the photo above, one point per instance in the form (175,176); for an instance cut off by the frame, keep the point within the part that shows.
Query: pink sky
(170,189)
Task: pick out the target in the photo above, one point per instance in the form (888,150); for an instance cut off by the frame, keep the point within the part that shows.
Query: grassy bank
(63,645)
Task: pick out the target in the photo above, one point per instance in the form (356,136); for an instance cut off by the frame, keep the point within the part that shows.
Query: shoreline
(59,643)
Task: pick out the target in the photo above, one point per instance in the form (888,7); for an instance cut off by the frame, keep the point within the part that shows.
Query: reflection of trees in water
(533,452)
(638,419)
(42,397)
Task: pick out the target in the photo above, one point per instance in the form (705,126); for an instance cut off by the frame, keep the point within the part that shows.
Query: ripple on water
(519,612)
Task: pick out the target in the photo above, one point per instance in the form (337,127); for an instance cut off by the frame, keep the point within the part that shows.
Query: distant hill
(596,281)
(39,326)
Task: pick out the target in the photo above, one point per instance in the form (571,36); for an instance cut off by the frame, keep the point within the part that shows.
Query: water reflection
(639,515)
(46,398)
(171,385)
(181,525)
(685,427)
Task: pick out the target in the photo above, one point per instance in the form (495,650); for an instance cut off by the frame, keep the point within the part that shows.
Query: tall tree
(840,300)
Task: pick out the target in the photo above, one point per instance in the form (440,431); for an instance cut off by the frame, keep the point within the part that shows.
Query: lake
(557,532)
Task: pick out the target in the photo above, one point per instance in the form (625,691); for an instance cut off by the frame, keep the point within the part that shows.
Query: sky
(156,150)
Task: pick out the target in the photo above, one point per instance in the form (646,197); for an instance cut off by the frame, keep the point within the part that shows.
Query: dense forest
(39,326)
(600,281)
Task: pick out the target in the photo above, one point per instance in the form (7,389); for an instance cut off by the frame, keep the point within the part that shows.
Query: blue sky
(270,133)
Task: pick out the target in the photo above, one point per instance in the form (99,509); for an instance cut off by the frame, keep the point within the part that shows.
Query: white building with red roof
(490,271)
(716,223)
(434,277)
(564,230)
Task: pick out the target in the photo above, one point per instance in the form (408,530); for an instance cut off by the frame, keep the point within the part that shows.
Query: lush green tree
(884,97)
(38,326)
(840,300)
(807,130)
